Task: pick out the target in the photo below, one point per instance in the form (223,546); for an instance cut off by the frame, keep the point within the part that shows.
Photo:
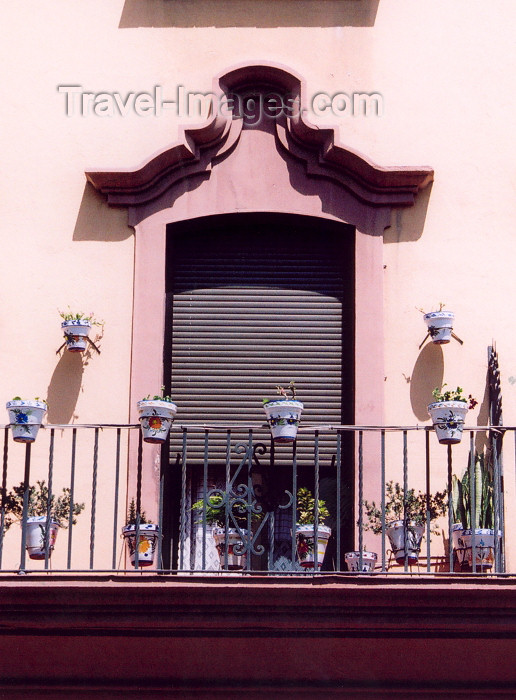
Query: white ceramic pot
(399,545)
(35,537)
(440,326)
(76,333)
(148,542)
(236,557)
(25,418)
(484,546)
(448,420)
(369,560)
(305,540)
(283,416)
(156,417)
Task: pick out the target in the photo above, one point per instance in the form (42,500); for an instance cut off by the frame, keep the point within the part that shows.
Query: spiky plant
(462,495)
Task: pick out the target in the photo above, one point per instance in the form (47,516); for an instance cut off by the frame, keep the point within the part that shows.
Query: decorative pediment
(200,149)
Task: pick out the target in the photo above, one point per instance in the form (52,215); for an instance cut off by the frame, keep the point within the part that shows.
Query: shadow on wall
(97,221)
(64,387)
(427,374)
(408,224)
(248,13)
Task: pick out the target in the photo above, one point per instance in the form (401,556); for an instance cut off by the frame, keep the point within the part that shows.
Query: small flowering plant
(159,397)
(284,394)
(453,395)
(80,316)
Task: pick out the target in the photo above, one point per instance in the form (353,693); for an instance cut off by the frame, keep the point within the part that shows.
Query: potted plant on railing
(156,417)
(148,534)
(230,541)
(405,519)
(76,328)
(283,414)
(482,528)
(25,417)
(305,529)
(448,413)
(43,521)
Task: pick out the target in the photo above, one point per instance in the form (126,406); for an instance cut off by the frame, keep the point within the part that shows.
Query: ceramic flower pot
(448,420)
(409,545)
(283,416)
(236,557)
(305,542)
(156,417)
(25,418)
(148,542)
(76,334)
(484,546)
(369,560)
(35,537)
(440,326)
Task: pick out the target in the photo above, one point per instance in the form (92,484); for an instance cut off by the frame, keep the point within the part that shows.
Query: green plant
(158,397)
(132,515)
(305,506)
(80,316)
(36,398)
(38,505)
(462,493)
(213,511)
(412,507)
(284,393)
(453,395)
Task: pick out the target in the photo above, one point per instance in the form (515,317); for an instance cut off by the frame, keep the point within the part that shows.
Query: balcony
(356,479)
(253,617)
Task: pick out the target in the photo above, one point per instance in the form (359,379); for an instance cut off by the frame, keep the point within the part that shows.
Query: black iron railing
(228,499)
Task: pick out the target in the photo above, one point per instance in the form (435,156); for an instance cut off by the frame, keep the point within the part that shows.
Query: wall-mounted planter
(148,542)
(369,560)
(36,532)
(156,418)
(448,420)
(405,540)
(283,417)
(25,418)
(305,541)
(440,326)
(76,334)
(236,557)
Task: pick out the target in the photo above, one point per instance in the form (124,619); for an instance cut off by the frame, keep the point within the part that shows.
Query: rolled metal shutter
(257,302)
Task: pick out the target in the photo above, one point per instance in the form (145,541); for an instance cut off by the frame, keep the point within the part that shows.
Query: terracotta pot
(448,420)
(440,326)
(305,541)
(25,418)
(148,542)
(156,418)
(76,333)
(283,416)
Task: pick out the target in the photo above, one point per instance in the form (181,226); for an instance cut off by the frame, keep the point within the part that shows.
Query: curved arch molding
(350,186)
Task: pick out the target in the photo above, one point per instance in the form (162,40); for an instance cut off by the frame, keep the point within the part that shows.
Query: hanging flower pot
(148,542)
(440,326)
(448,413)
(369,560)
(76,334)
(283,414)
(236,557)
(25,418)
(156,418)
(305,543)
(405,540)
(36,533)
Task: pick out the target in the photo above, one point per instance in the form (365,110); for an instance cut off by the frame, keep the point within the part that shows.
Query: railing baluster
(450,509)
(94,497)
(405,490)
(360,497)
(427,498)
(183,503)
(115,499)
(48,521)
(382,506)
(72,500)
(339,499)
(4,490)
(25,512)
